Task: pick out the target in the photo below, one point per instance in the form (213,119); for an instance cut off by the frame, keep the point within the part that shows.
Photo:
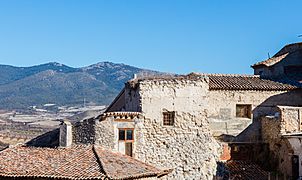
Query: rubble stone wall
(271,130)
(105,135)
(188,146)
(290,119)
(277,132)
(84,132)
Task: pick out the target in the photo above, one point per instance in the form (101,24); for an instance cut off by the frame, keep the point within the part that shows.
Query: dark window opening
(121,134)
(244,110)
(129,134)
(168,118)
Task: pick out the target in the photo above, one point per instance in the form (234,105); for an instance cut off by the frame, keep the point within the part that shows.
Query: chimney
(134,76)
(65,134)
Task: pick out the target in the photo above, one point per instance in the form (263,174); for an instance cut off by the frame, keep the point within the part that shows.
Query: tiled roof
(121,114)
(229,82)
(245,170)
(281,54)
(271,61)
(245,82)
(76,162)
(118,166)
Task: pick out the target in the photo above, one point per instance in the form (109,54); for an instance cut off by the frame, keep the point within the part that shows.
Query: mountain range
(98,84)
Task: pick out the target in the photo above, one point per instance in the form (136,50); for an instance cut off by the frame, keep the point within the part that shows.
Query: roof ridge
(275,59)
(99,161)
(229,75)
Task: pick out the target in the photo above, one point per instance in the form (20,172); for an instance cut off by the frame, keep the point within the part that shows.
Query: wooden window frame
(169,118)
(125,129)
(248,107)
(127,140)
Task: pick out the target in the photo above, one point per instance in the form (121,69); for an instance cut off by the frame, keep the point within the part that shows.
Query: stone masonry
(188,146)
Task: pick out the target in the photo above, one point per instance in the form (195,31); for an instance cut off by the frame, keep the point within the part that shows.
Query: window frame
(125,129)
(127,140)
(170,114)
(249,109)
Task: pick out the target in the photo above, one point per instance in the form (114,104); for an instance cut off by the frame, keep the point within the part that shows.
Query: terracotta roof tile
(119,166)
(246,170)
(122,114)
(237,82)
(271,61)
(227,81)
(76,162)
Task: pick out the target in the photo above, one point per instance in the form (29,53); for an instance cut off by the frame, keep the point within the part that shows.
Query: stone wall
(286,120)
(132,98)
(84,132)
(290,119)
(105,134)
(222,110)
(283,134)
(188,146)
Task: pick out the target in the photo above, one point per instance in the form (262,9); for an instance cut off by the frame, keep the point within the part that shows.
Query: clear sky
(177,36)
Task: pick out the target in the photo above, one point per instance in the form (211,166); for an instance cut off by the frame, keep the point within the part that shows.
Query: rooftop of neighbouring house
(75,162)
(245,82)
(225,81)
(245,170)
(280,55)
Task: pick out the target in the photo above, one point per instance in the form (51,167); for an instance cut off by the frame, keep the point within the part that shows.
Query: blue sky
(179,36)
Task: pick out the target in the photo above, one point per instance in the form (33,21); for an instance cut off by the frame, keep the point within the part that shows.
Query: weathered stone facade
(283,134)
(83,132)
(222,110)
(243,110)
(187,146)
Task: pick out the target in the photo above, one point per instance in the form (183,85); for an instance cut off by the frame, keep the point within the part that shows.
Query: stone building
(285,65)
(169,122)
(283,132)
(163,122)
(174,122)
(231,102)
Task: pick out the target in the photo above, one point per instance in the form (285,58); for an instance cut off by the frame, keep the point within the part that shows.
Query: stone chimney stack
(65,134)
(134,76)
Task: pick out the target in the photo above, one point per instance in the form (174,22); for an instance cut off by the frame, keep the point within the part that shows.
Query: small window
(244,110)
(126,140)
(168,118)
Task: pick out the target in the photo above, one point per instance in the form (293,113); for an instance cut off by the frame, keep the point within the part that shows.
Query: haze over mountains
(22,87)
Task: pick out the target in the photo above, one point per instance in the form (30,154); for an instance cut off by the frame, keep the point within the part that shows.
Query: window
(168,118)
(244,110)
(125,137)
